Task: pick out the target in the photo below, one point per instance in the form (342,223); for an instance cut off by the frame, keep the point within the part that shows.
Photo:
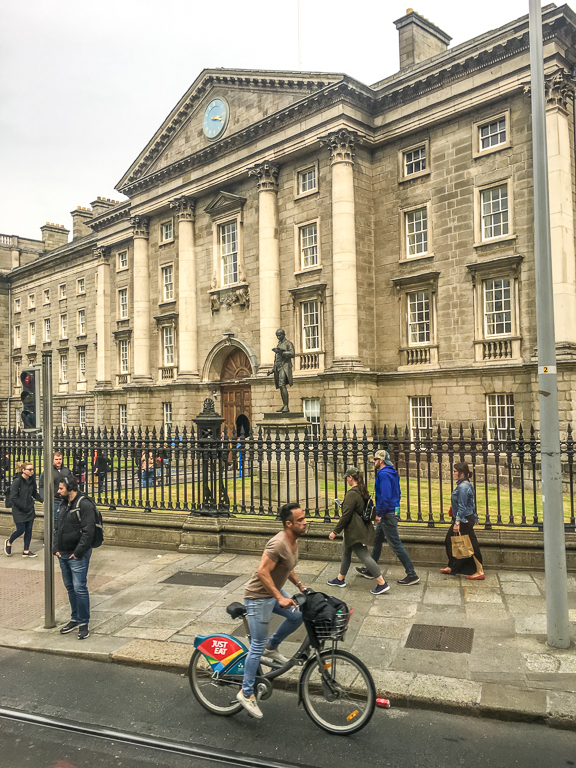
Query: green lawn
(432,500)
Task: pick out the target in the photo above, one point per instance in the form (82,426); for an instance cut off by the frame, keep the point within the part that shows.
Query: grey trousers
(361,552)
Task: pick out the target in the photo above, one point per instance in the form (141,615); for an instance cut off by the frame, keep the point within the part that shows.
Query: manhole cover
(194,579)
(425,637)
(275,621)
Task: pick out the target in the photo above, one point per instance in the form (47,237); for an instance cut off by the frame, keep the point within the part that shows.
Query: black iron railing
(182,471)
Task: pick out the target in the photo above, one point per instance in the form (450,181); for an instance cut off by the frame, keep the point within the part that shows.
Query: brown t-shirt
(279,551)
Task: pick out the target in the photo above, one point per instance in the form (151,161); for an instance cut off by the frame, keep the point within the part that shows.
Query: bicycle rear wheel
(217,696)
(339,695)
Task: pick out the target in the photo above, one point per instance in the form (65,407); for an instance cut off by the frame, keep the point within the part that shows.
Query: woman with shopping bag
(462,546)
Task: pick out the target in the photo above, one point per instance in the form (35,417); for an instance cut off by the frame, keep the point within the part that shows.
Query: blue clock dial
(215,118)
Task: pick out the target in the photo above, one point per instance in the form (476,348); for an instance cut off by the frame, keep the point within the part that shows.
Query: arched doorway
(236,394)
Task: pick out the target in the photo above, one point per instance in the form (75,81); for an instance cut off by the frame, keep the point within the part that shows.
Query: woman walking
(23,492)
(358,535)
(463,521)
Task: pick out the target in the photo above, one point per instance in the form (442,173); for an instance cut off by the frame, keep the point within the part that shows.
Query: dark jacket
(23,491)
(73,536)
(57,475)
(356,531)
(387,491)
(101,464)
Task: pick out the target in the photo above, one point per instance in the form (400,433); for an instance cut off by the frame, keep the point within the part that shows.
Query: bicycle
(335,687)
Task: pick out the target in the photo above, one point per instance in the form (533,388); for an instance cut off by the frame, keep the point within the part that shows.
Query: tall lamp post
(552,502)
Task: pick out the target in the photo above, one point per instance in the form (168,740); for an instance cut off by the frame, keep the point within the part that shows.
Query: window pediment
(509,265)
(225,203)
(413,281)
(310,291)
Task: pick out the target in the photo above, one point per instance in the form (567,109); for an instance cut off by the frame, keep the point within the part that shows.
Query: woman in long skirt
(463,521)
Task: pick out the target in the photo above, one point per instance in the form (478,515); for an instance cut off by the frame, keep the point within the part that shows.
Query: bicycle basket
(335,629)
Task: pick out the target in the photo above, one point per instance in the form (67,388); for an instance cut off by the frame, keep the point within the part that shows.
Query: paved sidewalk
(138,619)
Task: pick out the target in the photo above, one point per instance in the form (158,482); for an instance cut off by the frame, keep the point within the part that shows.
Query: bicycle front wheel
(216,695)
(339,693)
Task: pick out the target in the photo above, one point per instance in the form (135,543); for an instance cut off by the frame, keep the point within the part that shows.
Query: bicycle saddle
(236,610)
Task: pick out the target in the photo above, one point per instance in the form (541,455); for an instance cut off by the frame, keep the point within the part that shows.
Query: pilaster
(559,90)
(266,174)
(141,290)
(345,294)
(103,318)
(187,289)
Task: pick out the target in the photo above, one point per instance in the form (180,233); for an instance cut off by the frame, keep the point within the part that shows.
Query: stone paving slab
(137,619)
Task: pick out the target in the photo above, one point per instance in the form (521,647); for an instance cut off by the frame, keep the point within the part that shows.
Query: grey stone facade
(437,105)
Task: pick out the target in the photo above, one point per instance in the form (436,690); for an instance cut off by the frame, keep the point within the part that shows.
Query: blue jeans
(387,529)
(147,478)
(74,573)
(23,528)
(259,614)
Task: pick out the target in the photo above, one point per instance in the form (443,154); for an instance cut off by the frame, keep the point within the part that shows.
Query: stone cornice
(266,176)
(120,213)
(185,207)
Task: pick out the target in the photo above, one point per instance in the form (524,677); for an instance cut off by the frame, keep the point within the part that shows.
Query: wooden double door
(236,395)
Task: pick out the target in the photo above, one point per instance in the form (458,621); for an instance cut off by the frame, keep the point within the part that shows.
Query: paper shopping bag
(462,547)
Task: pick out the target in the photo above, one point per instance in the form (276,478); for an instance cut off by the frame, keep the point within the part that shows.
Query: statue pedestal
(284,423)
(279,482)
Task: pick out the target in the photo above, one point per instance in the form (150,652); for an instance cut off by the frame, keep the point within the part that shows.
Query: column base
(103,385)
(188,376)
(142,380)
(347,364)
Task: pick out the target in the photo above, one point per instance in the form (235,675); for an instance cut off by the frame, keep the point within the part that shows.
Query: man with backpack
(78,529)
(387,493)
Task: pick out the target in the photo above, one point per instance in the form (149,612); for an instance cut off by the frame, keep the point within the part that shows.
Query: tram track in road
(201,753)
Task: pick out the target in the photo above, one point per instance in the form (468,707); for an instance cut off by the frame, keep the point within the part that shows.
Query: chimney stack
(54,236)
(102,204)
(80,218)
(419,39)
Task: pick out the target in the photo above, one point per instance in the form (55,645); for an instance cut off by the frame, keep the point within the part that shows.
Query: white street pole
(299,40)
(47,440)
(552,501)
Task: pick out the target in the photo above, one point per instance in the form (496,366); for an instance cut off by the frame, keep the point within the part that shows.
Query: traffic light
(30,378)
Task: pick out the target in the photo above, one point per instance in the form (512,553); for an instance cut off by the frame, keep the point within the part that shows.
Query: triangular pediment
(251,96)
(224,202)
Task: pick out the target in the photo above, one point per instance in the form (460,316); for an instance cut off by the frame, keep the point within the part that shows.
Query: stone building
(387,229)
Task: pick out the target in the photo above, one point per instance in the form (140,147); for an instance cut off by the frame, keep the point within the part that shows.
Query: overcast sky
(84,85)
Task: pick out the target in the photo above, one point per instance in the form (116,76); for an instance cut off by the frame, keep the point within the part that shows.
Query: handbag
(462,547)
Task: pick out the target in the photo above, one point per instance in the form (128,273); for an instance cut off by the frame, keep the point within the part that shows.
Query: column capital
(101,254)
(341,145)
(266,175)
(140,226)
(559,88)
(185,207)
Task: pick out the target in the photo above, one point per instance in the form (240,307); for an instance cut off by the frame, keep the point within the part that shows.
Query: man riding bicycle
(264,596)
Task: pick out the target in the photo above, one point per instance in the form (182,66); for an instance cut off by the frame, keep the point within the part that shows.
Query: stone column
(103,318)
(141,337)
(187,301)
(268,257)
(345,298)
(559,92)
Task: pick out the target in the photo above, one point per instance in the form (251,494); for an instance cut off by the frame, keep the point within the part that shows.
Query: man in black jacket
(73,537)
(58,473)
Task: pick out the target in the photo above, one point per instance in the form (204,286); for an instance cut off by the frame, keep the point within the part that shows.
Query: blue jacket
(387,490)
(462,500)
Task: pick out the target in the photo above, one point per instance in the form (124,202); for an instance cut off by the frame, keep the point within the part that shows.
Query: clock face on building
(215,118)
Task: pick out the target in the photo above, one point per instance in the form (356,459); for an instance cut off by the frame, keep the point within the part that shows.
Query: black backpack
(7,499)
(98,522)
(369,511)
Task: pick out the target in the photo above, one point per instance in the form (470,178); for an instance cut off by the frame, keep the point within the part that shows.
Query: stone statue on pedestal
(282,368)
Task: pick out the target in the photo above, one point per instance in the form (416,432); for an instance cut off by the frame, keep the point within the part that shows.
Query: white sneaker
(275,655)
(250,705)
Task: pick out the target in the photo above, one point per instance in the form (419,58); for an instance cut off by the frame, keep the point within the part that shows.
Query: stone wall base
(517,550)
